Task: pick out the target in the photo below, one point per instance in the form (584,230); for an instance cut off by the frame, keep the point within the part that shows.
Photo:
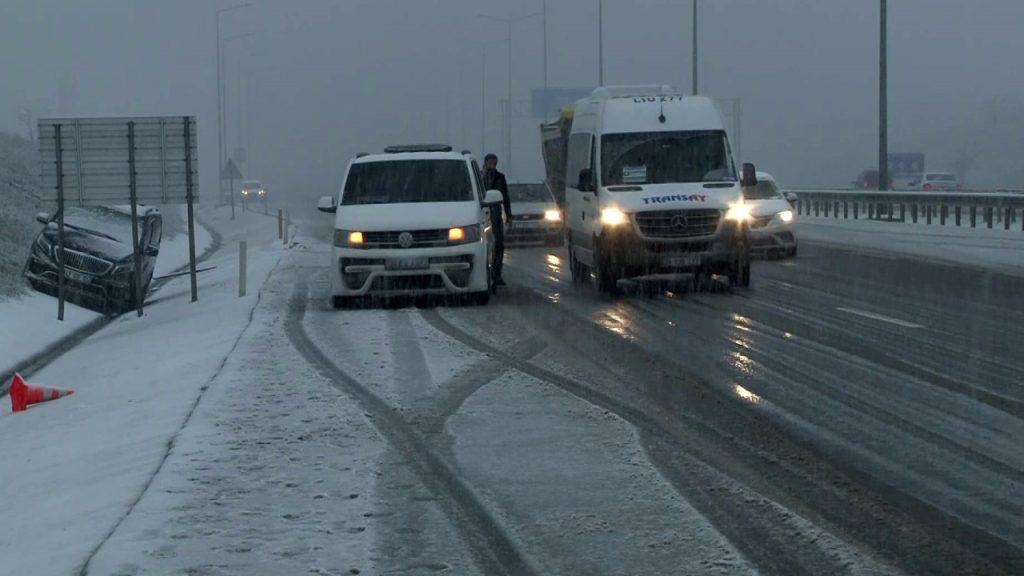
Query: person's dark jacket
(496,181)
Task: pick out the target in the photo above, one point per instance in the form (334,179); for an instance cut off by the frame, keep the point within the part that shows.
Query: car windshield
(529,193)
(765,190)
(107,222)
(666,158)
(251,185)
(407,181)
(941,178)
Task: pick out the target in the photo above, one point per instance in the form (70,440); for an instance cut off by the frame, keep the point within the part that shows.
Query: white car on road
(536,217)
(770,227)
(412,221)
(936,181)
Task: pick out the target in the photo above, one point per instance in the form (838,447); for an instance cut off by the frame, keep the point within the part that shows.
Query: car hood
(83,241)
(412,216)
(768,207)
(672,197)
(532,207)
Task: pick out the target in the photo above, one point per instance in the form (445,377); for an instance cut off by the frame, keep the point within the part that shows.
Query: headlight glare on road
(739,212)
(612,217)
(552,215)
(786,216)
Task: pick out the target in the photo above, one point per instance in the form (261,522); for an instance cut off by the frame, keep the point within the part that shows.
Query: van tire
(341,302)
(607,280)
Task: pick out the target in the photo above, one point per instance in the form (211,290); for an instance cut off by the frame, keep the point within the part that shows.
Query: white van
(651,187)
(414,220)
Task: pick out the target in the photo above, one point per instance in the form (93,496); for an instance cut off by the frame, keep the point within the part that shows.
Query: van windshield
(407,181)
(665,158)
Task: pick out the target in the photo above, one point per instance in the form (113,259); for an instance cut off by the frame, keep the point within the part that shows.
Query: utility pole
(694,51)
(600,42)
(883,103)
(544,101)
(220,107)
(483,103)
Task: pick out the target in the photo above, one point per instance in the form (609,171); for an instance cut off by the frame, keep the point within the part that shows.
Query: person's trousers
(499,247)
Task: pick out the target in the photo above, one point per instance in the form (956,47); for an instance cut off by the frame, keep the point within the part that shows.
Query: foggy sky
(324,79)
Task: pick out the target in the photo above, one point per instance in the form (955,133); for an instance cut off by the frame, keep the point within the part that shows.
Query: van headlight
(552,215)
(613,217)
(738,212)
(348,239)
(464,235)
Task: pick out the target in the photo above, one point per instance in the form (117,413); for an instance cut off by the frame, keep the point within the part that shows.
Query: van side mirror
(492,197)
(43,217)
(586,181)
(791,197)
(326,204)
(749,177)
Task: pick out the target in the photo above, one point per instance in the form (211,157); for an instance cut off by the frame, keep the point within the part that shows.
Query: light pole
(694,47)
(600,42)
(883,102)
(508,108)
(220,106)
(223,121)
(544,100)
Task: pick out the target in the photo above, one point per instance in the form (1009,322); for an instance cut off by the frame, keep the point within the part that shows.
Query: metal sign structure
(121,160)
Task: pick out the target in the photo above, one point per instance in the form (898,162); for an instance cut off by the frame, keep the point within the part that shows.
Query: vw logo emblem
(679,223)
(405,239)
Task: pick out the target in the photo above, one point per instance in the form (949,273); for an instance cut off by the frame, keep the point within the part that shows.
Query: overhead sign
(97,153)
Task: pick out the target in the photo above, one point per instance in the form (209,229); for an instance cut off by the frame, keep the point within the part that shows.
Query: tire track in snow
(493,548)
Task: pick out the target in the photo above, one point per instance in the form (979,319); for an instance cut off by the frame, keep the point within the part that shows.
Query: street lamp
(883,101)
(220,106)
(508,108)
(694,47)
(600,42)
(223,121)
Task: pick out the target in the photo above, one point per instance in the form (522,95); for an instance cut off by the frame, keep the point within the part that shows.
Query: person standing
(494,180)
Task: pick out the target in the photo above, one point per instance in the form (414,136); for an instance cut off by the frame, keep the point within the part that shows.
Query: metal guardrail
(1003,209)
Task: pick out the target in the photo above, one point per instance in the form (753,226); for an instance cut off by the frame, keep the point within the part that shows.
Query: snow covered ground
(995,249)
(73,468)
(30,320)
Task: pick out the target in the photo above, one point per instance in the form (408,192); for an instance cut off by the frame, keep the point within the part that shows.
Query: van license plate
(407,264)
(681,261)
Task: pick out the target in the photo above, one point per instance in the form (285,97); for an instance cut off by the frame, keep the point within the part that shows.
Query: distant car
(936,181)
(99,263)
(536,217)
(770,228)
(253,189)
(412,221)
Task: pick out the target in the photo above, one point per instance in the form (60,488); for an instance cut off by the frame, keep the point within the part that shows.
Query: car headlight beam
(786,216)
(552,215)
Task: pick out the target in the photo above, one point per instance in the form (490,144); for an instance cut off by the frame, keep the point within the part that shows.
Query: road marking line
(879,317)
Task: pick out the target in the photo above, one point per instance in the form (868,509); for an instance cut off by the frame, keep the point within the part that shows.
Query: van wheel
(607,280)
(341,302)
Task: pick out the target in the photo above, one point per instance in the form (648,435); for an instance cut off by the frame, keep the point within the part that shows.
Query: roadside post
(110,161)
(242,272)
(280,223)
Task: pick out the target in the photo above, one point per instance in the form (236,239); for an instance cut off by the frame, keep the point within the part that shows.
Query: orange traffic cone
(24,394)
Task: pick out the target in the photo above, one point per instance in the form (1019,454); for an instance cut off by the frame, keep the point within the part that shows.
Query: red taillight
(867,184)
(927,186)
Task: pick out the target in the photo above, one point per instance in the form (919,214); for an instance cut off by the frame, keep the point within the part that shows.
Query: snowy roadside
(73,468)
(996,249)
(35,314)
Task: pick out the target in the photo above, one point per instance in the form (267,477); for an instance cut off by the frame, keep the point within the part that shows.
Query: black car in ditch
(99,264)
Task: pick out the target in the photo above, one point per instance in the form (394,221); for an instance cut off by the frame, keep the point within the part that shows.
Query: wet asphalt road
(896,378)
(849,413)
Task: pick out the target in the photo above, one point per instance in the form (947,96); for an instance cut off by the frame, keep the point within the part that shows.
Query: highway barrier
(967,209)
